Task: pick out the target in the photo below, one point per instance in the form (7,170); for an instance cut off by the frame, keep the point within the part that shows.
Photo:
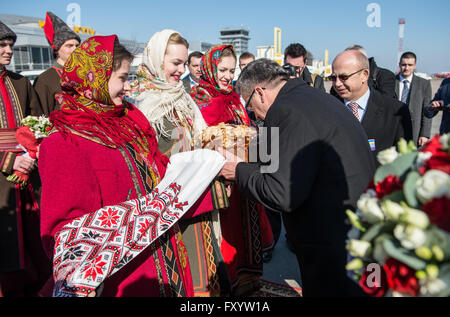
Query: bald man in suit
(384,119)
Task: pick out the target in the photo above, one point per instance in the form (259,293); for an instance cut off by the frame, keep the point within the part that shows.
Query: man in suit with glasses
(385,120)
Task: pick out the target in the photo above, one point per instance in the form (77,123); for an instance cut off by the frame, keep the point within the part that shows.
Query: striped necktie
(354,106)
(405,91)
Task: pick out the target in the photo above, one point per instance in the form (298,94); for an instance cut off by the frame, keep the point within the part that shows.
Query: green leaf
(376,230)
(399,253)
(409,189)
(354,219)
(396,196)
(399,167)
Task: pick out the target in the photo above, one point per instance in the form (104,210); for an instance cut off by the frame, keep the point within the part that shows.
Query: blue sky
(318,25)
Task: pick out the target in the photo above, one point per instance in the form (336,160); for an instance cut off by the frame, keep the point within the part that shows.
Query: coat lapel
(413,90)
(397,85)
(373,116)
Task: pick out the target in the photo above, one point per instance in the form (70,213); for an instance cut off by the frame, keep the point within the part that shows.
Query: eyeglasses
(344,77)
(251,96)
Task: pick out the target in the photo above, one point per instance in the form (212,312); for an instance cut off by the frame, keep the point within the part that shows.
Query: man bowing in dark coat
(324,165)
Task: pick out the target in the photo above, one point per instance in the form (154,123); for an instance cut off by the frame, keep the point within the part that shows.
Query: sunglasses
(344,77)
(251,96)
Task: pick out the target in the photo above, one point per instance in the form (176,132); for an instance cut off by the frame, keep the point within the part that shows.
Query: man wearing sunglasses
(384,119)
(381,79)
(324,165)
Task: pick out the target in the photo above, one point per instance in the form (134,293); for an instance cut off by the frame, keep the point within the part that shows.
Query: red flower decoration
(109,217)
(144,227)
(389,185)
(401,278)
(434,146)
(96,267)
(439,161)
(438,210)
(376,286)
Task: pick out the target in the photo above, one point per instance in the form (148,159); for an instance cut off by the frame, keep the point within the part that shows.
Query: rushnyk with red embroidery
(93,247)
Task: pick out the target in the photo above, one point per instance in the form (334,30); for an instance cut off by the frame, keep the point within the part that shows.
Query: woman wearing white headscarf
(159,94)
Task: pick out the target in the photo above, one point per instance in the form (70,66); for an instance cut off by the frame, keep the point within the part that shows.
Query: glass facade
(31,58)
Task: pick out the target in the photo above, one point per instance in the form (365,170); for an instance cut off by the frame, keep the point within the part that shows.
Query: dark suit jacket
(381,79)
(386,121)
(443,94)
(419,97)
(317,83)
(187,84)
(324,165)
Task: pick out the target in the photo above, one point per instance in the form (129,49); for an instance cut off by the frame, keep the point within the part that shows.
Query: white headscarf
(156,98)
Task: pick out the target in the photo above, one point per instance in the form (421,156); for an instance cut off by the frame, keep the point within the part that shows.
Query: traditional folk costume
(176,119)
(48,84)
(23,265)
(245,227)
(102,206)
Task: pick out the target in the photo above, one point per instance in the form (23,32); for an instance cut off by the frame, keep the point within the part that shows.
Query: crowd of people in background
(112,140)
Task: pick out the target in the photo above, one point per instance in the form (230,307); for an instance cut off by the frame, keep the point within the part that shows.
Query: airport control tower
(238,37)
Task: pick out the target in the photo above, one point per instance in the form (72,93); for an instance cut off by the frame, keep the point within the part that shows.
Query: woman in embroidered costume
(241,248)
(105,153)
(160,95)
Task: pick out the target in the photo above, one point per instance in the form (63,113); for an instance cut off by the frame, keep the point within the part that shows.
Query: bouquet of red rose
(400,239)
(29,136)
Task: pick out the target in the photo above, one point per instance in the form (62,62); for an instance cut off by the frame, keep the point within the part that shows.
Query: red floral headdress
(217,105)
(87,108)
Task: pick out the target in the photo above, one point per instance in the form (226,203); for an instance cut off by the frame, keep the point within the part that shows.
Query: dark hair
(260,71)
(246,55)
(408,55)
(295,50)
(9,38)
(120,54)
(196,54)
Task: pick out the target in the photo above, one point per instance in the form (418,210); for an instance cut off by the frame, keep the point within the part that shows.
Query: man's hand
(436,104)
(228,171)
(422,140)
(228,188)
(23,164)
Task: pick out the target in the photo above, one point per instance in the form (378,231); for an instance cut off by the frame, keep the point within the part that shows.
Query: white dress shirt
(362,104)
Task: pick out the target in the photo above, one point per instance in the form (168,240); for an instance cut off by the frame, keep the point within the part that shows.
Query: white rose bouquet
(400,240)
(29,136)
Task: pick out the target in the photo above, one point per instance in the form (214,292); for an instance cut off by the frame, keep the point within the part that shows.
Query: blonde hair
(227,52)
(176,38)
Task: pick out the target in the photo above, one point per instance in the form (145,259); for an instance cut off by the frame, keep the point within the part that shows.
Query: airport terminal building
(32,53)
